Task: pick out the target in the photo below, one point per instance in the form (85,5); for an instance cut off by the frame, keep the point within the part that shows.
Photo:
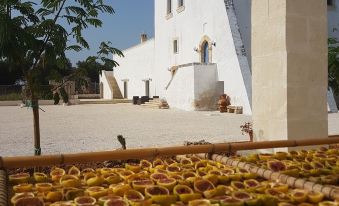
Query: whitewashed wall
(199,18)
(107,93)
(136,66)
(180,93)
(194,87)
(207,89)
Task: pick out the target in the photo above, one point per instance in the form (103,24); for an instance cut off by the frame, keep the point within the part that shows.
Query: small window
(330,2)
(180,3)
(169,6)
(175,46)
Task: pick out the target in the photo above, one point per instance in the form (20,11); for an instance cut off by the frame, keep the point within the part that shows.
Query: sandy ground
(95,127)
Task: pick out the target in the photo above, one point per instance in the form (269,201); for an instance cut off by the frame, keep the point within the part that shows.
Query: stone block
(289,65)
(296,33)
(260,12)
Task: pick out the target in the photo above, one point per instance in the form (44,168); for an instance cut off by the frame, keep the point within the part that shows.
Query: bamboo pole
(331,192)
(146,153)
(3,188)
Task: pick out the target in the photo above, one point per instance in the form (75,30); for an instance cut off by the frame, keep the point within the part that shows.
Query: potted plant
(248,129)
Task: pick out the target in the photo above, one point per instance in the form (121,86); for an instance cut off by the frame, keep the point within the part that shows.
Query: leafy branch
(105,50)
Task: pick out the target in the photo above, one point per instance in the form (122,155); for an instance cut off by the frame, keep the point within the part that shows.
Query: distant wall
(136,66)
(107,93)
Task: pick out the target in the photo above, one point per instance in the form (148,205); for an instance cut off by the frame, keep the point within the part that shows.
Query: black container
(155,97)
(144,99)
(135,99)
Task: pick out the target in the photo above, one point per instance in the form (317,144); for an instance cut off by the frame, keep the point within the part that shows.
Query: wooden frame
(147,153)
(329,191)
(48,160)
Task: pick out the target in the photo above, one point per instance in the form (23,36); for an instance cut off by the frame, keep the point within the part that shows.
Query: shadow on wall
(259,136)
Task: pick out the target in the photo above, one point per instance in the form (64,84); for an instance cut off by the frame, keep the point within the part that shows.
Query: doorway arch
(205,48)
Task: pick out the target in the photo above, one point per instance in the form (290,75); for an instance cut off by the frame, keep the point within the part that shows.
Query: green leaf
(76,10)
(94,22)
(74,47)
(44,12)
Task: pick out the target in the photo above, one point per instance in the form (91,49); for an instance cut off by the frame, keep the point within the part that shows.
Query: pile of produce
(320,166)
(190,181)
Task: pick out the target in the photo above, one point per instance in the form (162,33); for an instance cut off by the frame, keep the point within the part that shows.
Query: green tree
(333,64)
(8,76)
(92,69)
(33,37)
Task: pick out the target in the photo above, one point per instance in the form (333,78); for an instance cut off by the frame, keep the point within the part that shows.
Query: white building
(201,49)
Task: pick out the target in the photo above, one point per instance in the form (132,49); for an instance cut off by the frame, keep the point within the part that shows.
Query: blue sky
(123,29)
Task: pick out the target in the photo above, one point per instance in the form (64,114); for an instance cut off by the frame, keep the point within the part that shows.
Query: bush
(46,93)
(64,95)
(10,97)
(56,98)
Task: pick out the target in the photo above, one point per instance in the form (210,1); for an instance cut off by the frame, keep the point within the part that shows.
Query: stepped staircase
(113,84)
(156,104)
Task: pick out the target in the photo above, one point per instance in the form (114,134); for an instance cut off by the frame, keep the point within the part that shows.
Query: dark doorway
(147,88)
(125,90)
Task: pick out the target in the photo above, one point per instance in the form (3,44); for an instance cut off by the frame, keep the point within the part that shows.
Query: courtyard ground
(95,127)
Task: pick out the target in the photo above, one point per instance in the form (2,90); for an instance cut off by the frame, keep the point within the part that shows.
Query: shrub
(46,93)
(11,97)
(64,95)
(56,98)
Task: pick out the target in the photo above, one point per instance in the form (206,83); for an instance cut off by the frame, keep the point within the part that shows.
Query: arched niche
(205,50)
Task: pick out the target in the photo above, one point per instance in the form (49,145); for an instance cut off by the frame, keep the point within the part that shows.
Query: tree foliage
(34,39)
(92,69)
(7,76)
(333,64)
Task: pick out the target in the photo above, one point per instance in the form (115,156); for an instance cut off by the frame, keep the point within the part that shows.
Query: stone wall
(289,59)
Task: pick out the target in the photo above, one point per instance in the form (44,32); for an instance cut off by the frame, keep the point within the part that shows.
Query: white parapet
(194,87)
